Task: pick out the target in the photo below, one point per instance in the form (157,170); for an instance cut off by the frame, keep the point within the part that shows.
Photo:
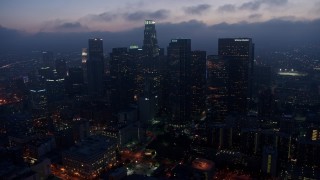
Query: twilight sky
(118,15)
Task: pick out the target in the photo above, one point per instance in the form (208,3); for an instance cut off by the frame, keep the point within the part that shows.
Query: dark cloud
(62,26)
(256,4)
(274,34)
(141,15)
(255,16)
(275,2)
(66,26)
(106,17)
(227,8)
(134,16)
(198,10)
(253,5)
(70,25)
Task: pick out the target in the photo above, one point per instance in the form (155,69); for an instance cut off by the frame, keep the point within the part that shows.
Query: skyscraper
(150,42)
(216,88)
(95,67)
(122,78)
(61,67)
(198,82)
(238,55)
(84,58)
(47,59)
(179,60)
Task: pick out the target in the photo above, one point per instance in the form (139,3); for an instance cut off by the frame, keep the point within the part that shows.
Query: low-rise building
(88,158)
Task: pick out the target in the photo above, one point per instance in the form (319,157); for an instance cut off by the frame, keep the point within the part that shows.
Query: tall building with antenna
(150,42)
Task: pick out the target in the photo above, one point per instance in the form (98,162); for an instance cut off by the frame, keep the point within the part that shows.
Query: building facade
(95,67)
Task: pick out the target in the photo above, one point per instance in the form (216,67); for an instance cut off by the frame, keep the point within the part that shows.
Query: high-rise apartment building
(95,66)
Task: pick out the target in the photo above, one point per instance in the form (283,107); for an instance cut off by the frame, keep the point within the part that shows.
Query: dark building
(150,48)
(47,59)
(95,67)
(150,42)
(84,58)
(55,89)
(179,61)
(76,75)
(75,81)
(122,78)
(61,68)
(269,161)
(46,73)
(198,82)
(137,57)
(238,54)
(216,89)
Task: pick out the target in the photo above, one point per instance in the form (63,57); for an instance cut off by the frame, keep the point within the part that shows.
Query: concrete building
(88,158)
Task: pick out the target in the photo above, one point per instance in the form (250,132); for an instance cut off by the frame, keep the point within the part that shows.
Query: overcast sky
(65,25)
(120,15)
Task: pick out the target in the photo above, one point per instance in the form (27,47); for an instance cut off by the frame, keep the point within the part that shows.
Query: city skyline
(82,113)
(83,16)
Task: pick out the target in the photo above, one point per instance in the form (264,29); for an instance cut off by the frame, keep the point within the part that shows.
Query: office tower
(150,42)
(47,59)
(122,78)
(39,106)
(198,82)
(84,58)
(262,91)
(38,99)
(45,73)
(216,89)
(238,55)
(61,68)
(75,81)
(95,67)
(179,60)
(137,58)
(55,88)
(76,75)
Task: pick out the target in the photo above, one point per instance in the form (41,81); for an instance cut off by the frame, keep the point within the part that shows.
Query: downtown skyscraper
(228,92)
(95,67)
(179,62)
(238,54)
(197,83)
(150,42)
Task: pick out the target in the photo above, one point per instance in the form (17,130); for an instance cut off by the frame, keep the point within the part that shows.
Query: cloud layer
(197,10)
(36,15)
(273,34)
(256,4)
(141,15)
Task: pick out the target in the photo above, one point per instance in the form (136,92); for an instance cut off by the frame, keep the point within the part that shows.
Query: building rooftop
(90,148)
